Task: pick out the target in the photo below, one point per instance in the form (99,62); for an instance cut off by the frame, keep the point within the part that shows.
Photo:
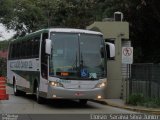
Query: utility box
(116,32)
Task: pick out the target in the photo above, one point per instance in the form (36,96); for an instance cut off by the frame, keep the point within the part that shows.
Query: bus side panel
(14,75)
(21,80)
(25,72)
(43,86)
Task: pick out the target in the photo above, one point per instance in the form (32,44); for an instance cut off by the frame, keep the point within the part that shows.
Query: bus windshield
(77,56)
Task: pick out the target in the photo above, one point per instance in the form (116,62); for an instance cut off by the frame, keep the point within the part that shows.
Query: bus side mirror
(48,46)
(110,47)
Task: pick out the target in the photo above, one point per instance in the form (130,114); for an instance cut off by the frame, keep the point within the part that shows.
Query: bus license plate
(79,94)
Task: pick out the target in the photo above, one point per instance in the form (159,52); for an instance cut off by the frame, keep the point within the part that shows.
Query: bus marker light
(56,84)
(101,85)
(99,97)
(54,96)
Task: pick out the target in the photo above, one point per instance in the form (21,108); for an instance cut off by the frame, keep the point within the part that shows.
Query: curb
(136,109)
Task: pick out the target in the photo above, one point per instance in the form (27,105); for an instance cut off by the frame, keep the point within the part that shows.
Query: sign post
(127,58)
(127,55)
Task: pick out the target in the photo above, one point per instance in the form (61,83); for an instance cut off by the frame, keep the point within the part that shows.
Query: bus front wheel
(39,99)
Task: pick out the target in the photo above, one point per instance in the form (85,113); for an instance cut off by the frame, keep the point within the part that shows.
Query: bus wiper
(74,66)
(81,61)
(83,71)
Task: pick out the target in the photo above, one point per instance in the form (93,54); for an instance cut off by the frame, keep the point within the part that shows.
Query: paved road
(27,105)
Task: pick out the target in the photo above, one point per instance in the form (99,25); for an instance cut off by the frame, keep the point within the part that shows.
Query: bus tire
(39,99)
(16,92)
(83,101)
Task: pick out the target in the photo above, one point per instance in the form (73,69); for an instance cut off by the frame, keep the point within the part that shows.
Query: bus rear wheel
(16,92)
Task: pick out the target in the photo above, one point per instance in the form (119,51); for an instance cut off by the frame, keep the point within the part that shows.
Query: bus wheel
(83,101)
(39,99)
(16,92)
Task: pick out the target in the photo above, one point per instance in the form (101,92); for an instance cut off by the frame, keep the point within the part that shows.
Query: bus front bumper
(61,93)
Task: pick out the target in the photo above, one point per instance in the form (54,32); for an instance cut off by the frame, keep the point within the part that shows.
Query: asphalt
(119,103)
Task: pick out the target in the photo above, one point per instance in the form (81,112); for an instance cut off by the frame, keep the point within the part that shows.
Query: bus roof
(71,30)
(64,30)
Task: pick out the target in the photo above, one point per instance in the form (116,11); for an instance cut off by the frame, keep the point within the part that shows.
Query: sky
(4,33)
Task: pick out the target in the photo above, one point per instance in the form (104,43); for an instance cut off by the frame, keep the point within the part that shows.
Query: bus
(58,63)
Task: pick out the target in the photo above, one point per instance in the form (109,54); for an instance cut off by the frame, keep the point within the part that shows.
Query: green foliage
(26,16)
(3,61)
(144,19)
(140,100)
(31,15)
(4,45)
(3,67)
(136,99)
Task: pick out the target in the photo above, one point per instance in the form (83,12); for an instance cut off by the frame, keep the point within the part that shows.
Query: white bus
(58,63)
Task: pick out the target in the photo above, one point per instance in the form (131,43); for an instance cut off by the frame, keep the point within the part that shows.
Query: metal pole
(127,84)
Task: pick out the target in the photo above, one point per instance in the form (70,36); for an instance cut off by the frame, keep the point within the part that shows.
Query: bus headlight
(55,84)
(101,85)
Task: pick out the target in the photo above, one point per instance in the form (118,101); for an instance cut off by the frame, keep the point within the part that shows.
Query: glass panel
(91,57)
(77,56)
(64,56)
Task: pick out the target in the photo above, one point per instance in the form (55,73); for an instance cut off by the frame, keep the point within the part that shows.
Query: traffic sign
(127,55)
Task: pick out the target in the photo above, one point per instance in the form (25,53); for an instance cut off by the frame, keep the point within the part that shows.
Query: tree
(3,66)
(143,17)
(3,61)
(30,15)
(144,20)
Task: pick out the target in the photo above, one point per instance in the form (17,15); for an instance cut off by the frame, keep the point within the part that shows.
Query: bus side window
(23,51)
(44,57)
(13,52)
(20,50)
(29,48)
(35,45)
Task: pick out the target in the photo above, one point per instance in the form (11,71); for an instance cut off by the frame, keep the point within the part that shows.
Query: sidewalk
(119,103)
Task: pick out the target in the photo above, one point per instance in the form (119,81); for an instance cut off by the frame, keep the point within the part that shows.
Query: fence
(145,79)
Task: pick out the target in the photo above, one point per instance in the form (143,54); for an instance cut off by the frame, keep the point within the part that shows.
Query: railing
(145,79)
